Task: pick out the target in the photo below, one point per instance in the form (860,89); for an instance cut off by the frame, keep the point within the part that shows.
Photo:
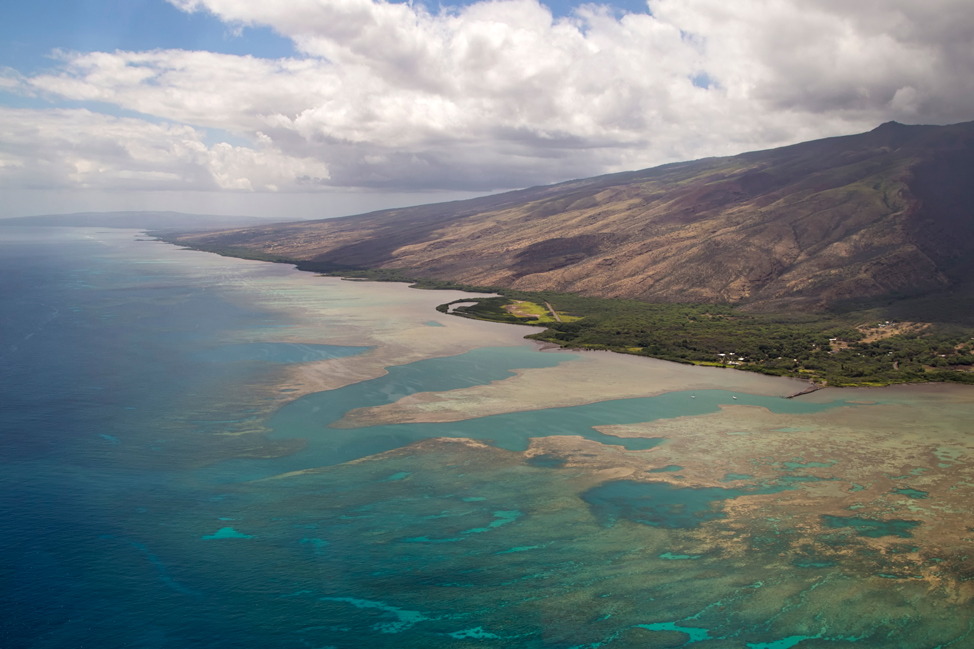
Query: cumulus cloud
(499,94)
(48,149)
(850,58)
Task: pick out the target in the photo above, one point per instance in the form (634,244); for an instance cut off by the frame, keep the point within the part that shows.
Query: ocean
(200,451)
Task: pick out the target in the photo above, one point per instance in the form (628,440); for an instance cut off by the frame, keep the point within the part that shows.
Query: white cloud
(820,56)
(9,79)
(498,94)
(82,149)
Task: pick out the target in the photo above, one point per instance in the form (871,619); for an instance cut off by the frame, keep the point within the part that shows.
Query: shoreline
(814,387)
(395,276)
(941,376)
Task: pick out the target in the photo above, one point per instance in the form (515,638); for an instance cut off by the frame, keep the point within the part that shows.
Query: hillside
(881,214)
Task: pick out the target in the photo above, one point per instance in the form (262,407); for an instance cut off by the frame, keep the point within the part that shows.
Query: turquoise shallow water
(660,504)
(278,352)
(308,418)
(128,518)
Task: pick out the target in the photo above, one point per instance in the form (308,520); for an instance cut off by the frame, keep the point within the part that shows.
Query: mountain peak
(888,126)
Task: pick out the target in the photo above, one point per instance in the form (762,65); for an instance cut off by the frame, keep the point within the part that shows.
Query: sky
(320,108)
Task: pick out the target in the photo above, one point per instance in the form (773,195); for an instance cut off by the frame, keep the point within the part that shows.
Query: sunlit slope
(882,213)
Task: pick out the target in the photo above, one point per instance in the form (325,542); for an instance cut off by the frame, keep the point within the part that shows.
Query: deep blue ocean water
(129,518)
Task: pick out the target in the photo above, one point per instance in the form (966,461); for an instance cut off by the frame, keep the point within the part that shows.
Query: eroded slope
(881,213)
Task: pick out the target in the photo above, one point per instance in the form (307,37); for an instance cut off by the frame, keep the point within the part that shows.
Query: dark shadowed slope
(884,213)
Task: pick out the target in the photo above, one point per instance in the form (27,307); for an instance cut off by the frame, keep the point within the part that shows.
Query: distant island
(168,221)
(847,261)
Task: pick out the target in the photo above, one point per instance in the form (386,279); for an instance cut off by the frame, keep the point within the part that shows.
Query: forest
(851,349)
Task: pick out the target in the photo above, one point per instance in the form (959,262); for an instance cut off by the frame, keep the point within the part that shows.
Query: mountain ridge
(885,213)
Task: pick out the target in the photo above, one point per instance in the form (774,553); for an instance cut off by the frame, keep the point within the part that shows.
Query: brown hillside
(888,212)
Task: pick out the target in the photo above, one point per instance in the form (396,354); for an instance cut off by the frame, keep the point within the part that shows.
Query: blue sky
(30,31)
(325,107)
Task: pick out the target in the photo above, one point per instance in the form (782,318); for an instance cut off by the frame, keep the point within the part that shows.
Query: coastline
(322,377)
(846,369)
(738,514)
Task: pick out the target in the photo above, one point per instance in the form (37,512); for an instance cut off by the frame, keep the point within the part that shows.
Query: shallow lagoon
(172,478)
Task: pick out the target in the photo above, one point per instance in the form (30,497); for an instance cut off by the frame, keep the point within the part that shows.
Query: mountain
(880,214)
(139,220)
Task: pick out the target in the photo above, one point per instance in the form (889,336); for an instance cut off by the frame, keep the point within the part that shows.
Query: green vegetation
(399,275)
(824,348)
(487,309)
(225,251)
(537,312)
